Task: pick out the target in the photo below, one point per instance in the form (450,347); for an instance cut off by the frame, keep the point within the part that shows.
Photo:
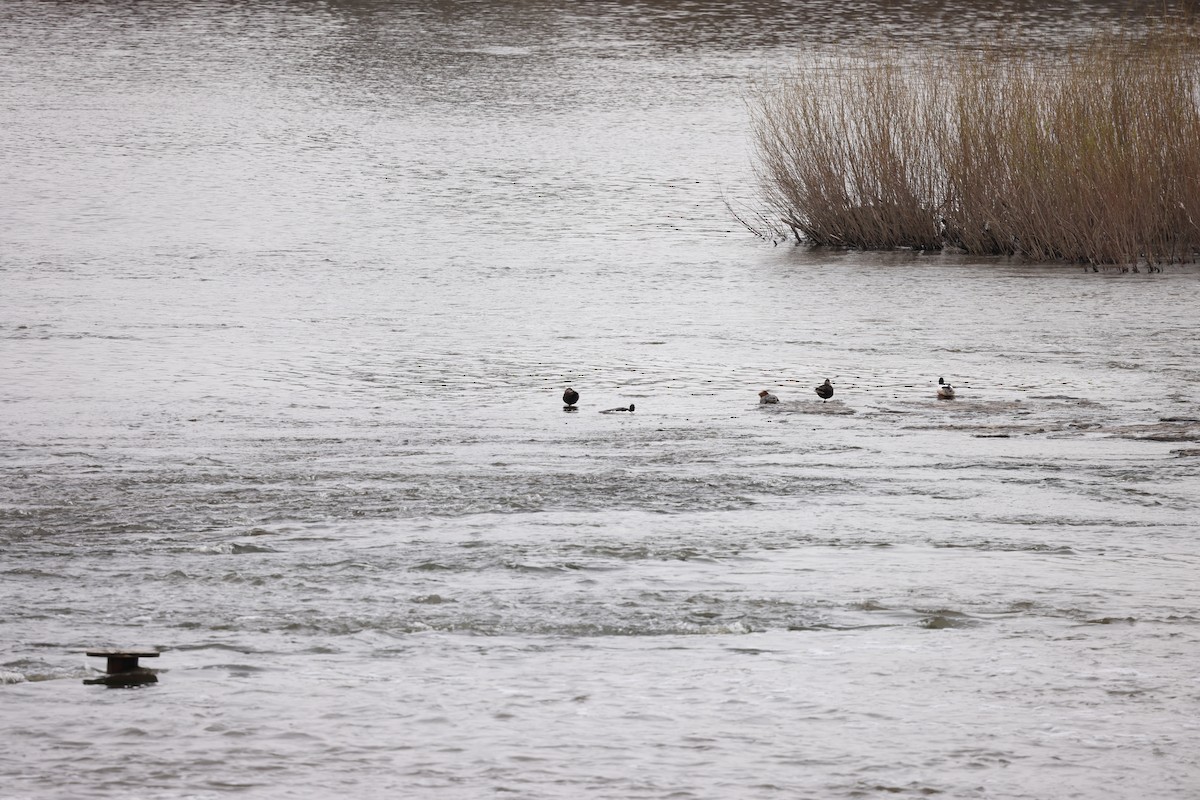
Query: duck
(570,397)
(945,390)
(629,408)
(825,390)
(766,398)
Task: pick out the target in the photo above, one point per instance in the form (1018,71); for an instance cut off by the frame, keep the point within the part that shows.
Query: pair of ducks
(825,391)
(571,397)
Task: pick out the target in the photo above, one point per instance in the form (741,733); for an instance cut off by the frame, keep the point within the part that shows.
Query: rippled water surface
(289,293)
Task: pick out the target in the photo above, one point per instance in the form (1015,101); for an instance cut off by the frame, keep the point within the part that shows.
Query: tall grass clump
(1088,155)
(837,174)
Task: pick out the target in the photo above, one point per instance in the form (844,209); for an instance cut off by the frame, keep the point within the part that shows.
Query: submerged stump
(122,668)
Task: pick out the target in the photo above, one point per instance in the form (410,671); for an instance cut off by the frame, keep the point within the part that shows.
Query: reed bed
(1089,155)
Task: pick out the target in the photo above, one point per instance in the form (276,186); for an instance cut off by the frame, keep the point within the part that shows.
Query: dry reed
(1092,155)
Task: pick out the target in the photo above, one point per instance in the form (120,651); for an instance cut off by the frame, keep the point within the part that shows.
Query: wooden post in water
(122,667)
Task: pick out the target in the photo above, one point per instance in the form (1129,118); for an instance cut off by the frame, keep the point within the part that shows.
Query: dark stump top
(109,652)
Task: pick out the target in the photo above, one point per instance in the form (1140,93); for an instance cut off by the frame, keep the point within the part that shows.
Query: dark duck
(570,397)
(825,390)
(629,408)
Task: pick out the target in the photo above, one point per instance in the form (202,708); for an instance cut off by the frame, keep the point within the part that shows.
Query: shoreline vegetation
(1088,155)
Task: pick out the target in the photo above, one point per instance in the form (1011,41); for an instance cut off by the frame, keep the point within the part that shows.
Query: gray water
(289,293)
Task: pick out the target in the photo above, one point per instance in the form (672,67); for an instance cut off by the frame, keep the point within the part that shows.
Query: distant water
(289,293)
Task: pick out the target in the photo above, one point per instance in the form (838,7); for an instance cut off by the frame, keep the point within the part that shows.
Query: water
(288,296)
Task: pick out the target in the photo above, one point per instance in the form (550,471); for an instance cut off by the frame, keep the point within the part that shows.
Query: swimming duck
(622,408)
(765,398)
(570,397)
(945,390)
(825,390)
